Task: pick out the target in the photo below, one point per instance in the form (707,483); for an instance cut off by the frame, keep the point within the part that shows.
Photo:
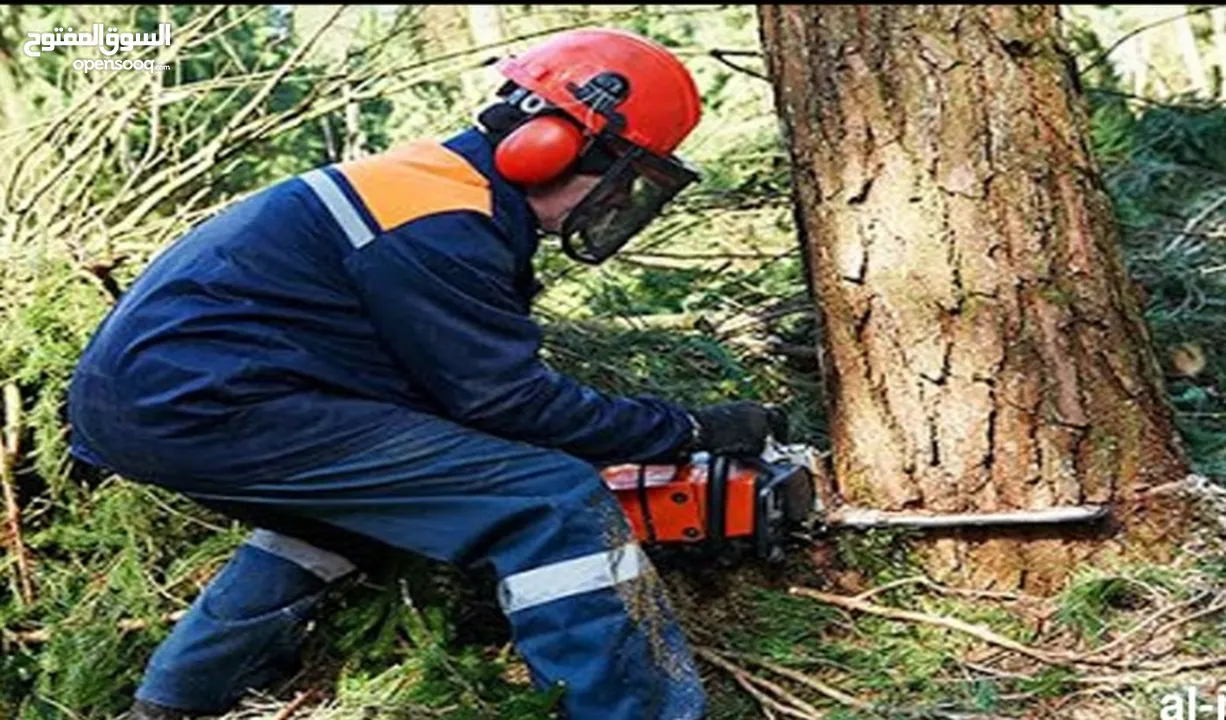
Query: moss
(1103,453)
(1058,293)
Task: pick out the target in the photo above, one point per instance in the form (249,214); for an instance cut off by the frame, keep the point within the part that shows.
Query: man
(346,361)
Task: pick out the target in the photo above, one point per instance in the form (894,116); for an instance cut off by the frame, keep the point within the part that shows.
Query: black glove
(737,428)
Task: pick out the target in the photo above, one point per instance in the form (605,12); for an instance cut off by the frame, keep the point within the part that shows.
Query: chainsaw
(773,502)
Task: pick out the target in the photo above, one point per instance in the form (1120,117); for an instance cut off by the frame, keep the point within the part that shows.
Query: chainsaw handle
(717,499)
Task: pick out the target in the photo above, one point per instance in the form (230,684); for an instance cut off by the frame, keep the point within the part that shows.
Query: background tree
(985,348)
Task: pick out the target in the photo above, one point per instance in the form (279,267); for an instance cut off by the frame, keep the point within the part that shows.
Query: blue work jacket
(311,320)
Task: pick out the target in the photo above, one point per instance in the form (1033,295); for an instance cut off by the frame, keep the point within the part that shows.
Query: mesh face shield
(635,187)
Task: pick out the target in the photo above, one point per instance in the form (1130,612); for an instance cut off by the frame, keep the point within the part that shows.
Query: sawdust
(645,598)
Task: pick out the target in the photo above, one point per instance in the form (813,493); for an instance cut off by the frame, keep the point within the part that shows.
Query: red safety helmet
(605,102)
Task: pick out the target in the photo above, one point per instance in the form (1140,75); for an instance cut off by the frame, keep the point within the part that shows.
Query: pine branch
(12,512)
(1133,33)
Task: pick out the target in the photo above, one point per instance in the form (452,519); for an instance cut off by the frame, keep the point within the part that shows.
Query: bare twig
(798,708)
(294,705)
(221,29)
(152,495)
(943,589)
(37,637)
(14,176)
(766,703)
(939,621)
(84,108)
(831,692)
(205,158)
(1154,669)
(1132,33)
(1157,672)
(915,580)
(1213,609)
(1190,227)
(994,672)
(12,513)
(1152,618)
(700,256)
(723,55)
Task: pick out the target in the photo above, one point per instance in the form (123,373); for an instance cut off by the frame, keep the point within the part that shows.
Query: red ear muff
(539,150)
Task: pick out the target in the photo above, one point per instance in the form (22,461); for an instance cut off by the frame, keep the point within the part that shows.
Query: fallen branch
(943,589)
(831,692)
(766,703)
(1152,618)
(43,635)
(288,711)
(1155,673)
(940,621)
(799,708)
(1211,610)
(916,580)
(12,512)
(1155,669)
(994,672)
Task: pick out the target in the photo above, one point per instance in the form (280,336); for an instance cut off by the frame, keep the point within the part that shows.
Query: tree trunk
(1140,80)
(354,146)
(984,348)
(485,27)
(1218,16)
(1191,53)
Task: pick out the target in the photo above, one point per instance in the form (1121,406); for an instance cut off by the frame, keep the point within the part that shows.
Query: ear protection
(539,150)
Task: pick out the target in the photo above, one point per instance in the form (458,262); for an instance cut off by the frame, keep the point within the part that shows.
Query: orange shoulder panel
(414,180)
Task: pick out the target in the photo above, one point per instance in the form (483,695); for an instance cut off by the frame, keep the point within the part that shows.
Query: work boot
(144,710)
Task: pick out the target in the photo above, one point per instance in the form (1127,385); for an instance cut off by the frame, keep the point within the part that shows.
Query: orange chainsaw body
(714,500)
(676,508)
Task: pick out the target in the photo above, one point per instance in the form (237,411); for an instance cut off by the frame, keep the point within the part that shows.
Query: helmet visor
(629,196)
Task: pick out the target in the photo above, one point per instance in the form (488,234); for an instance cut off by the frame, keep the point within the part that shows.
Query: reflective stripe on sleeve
(571,577)
(325,565)
(339,206)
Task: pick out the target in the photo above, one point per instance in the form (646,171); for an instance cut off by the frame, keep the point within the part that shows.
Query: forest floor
(851,629)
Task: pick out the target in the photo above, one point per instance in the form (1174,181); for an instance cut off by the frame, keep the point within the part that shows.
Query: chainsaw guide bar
(851,517)
(774,501)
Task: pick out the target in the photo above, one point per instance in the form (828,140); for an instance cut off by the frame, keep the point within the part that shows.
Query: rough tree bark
(983,346)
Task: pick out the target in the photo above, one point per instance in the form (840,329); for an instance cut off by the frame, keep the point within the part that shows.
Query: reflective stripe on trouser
(244,630)
(327,566)
(600,570)
(586,608)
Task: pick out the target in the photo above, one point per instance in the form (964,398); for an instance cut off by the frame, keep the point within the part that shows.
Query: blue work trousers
(585,606)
